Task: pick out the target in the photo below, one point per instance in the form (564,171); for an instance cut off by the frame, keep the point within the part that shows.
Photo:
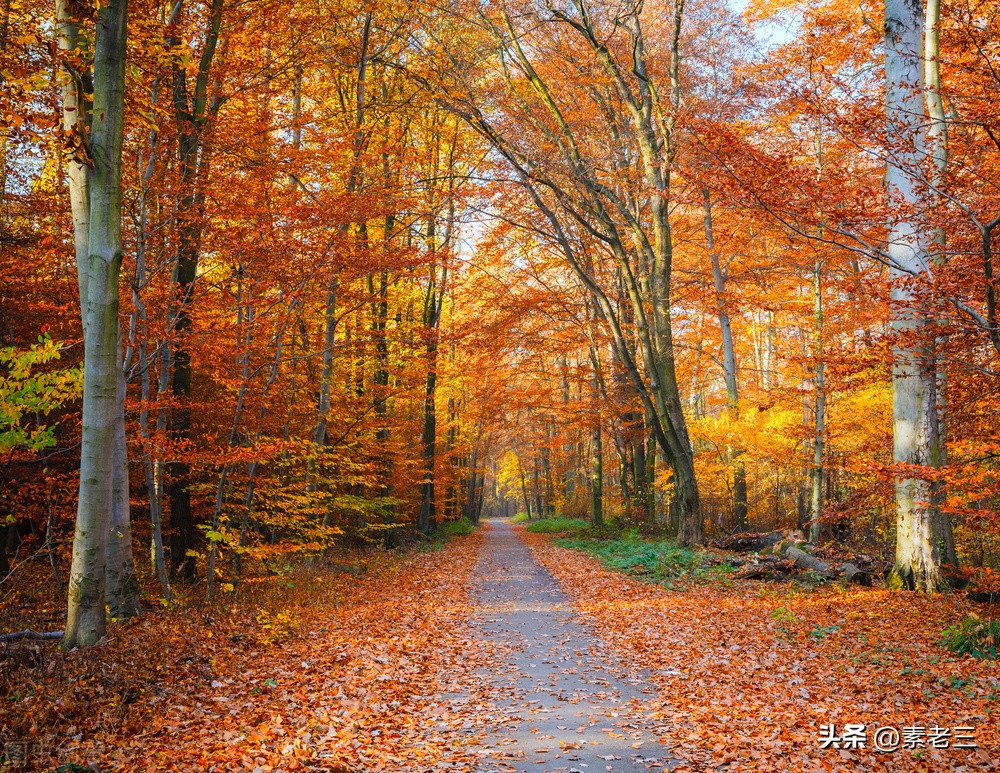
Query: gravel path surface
(566,704)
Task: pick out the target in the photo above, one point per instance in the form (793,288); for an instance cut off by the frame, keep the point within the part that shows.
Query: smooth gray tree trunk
(122,588)
(915,427)
(819,408)
(85,624)
(937,141)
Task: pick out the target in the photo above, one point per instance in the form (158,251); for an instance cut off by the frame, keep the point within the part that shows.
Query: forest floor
(747,672)
(503,651)
(349,671)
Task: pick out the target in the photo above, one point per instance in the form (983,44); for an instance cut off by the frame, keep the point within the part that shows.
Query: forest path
(567,704)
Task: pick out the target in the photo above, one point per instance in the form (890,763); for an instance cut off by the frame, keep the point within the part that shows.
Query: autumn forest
(362,361)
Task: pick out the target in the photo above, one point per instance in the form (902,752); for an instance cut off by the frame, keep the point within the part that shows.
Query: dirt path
(567,705)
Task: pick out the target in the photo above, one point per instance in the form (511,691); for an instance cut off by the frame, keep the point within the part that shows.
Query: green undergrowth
(460,528)
(443,534)
(975,637)
(653,560)
(559,525)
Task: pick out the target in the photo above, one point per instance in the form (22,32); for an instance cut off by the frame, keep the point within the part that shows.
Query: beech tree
(97,133)
(914,377)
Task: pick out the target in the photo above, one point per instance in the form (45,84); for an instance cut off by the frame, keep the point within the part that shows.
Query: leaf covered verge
(747,672)
(344,673)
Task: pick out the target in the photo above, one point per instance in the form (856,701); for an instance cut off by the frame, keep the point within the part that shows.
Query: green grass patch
(655,560)
(975,637)
(442,535)
(460,528)
(521,518)
(559,526)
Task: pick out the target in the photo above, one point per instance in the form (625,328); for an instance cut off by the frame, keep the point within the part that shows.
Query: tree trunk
(550,499)
(538,491)
(433,303)
(524,490)
(819,411)
(122,590)
(193,111)
(428,516)
(470,499)
(85,623)
(326,373)
(4,562)
(728,365)
(937,138)
(150,457)
(915,429)
(769,346)
(650,473)
(480,498)
(597,477)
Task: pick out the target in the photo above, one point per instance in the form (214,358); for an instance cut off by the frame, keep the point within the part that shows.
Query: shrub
(275,627)
(521,518)
(975,637)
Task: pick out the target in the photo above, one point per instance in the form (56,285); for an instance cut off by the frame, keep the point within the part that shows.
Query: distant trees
(603,192)
(392,266)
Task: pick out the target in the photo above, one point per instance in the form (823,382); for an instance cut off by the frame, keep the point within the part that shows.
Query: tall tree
(434,297)
(564,172)
(194,110)
(914,378)
(101,142)
(719,276)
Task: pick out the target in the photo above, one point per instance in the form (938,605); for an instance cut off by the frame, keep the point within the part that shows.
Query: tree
(719,276)
(99,151)
(563,169)
(194,112)
(914,377)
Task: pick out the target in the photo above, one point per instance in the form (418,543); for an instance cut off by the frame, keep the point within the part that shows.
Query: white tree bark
(937,141)
(74,124)
(937,130)
(915,428)
(85,624)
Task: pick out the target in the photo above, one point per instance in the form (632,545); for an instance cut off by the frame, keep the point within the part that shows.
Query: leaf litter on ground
(747,672)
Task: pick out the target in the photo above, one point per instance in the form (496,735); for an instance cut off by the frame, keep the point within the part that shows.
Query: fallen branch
(748,542)
(27,633)
(766,568)
(807,562)
(853,575)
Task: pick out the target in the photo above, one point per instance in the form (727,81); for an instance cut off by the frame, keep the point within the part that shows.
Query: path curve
(567,705)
